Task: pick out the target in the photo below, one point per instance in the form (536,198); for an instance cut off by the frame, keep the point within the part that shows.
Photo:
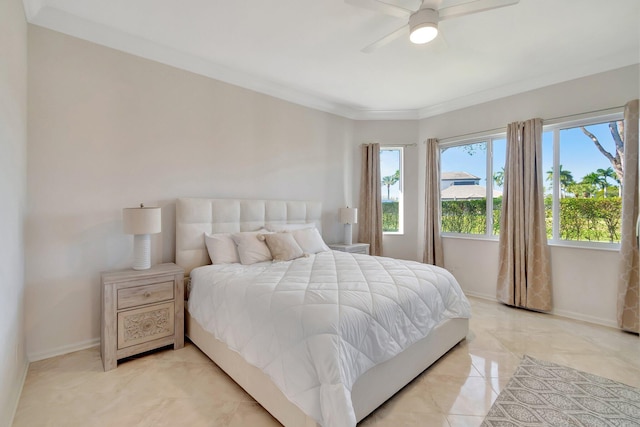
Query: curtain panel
(433,252)
(524,277)
(628,287)
(370,209)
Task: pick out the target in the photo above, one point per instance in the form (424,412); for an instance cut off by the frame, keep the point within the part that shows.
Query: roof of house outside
(448,176)
(466,192)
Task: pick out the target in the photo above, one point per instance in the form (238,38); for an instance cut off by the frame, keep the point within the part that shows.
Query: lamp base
(348,235)
(141,251)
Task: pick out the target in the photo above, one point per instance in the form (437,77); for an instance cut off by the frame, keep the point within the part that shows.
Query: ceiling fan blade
(404,30)
(473,7)
(382,7)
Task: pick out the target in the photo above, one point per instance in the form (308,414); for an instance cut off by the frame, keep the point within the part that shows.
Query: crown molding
(38,13)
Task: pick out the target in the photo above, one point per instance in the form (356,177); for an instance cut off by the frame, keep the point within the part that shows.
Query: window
(584,175)
(464,168)
(392,175)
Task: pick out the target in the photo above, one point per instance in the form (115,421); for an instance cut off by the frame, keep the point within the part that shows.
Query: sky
(578,154)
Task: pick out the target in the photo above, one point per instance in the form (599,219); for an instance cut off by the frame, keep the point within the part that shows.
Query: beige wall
(13,146)
(584,280)
(109,130)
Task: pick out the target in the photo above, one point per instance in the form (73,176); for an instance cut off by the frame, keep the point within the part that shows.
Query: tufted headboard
(194,217)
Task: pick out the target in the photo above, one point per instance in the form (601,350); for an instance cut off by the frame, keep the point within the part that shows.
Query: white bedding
(315,324)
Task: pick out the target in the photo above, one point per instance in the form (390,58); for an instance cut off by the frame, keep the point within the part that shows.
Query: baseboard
(560,313)
(15,399)
(480,295)
(83,345)
(585,318)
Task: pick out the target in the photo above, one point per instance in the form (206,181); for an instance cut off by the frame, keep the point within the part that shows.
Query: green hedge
(593,219)
(390,216)
(582,219)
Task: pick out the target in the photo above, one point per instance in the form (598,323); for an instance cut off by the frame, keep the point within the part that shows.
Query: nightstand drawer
(148,294)
(145,324)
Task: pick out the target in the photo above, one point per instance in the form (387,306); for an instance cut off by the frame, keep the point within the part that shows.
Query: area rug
(545,394)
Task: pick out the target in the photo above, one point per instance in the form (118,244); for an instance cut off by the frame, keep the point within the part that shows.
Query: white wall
(108,130)
(584,280)
(13,146)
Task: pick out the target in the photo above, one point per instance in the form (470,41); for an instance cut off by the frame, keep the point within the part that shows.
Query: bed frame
(194,217)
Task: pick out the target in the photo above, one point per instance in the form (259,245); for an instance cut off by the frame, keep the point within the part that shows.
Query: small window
(391,187)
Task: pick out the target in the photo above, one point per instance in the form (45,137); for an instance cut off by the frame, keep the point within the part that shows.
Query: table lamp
(348,216)
(141,222)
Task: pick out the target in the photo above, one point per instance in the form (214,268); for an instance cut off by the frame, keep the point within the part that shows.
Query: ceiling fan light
(424,26)
(423,34)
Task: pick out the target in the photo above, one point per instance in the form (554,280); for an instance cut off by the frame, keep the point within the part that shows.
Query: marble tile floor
(184,388)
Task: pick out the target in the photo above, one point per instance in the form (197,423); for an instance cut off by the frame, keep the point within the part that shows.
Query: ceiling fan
(423,23)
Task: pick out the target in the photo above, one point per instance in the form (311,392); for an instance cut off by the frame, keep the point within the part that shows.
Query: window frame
(555,127)
(399,148)
(489,140)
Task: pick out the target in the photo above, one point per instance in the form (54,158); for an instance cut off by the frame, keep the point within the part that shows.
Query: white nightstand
(355,248)
(141,310)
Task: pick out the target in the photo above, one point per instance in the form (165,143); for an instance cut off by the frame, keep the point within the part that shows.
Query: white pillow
(290,227)
(250,248)
(310,240)
(283,246)
(222,249)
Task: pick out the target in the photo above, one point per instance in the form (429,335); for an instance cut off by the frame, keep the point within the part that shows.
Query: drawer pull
(147,294)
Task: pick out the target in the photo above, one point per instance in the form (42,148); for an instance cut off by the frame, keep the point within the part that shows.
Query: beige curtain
(433,242)
(524,277)
(628,292)
(370,209)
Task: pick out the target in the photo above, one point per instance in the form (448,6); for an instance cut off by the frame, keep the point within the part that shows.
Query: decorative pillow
(290,227)
(310,240)
(222,249)
(283,246)
(251,249)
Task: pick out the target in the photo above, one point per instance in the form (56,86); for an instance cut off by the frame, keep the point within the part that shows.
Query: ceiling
(309,51)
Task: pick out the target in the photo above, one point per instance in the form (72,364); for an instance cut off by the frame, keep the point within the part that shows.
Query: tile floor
(183,387)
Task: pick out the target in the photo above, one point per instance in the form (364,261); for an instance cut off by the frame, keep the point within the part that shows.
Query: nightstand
(141,310)
(355,248)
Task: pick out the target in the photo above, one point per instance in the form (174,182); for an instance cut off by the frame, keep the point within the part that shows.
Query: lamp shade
(348,215)
(141,220)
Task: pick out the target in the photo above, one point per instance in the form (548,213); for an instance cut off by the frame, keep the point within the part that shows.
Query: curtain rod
(487,132)
(397,145)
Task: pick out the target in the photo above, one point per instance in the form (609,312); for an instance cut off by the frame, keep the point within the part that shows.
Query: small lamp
(348,216)
(141,222)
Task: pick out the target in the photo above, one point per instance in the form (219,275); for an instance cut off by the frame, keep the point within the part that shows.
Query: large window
(472,172)
(391,187)
(583,172)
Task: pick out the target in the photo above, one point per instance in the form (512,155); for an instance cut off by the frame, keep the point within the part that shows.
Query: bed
(367,389)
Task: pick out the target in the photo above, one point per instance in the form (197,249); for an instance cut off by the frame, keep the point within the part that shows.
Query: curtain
(433,253)
(628,292)
(370,209)
(524,277)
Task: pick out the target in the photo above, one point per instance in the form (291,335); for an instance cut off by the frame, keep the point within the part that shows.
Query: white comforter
(315,324)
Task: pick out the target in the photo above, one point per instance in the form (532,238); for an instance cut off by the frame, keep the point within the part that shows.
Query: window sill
(470,237)
(599,246)
(393,233)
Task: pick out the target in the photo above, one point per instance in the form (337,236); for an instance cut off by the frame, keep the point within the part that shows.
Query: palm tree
(566,179)
(605,174)
(389,181)
(594,179)
(498,177)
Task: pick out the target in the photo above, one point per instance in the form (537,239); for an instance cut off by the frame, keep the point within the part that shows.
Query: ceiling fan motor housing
(424,19)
